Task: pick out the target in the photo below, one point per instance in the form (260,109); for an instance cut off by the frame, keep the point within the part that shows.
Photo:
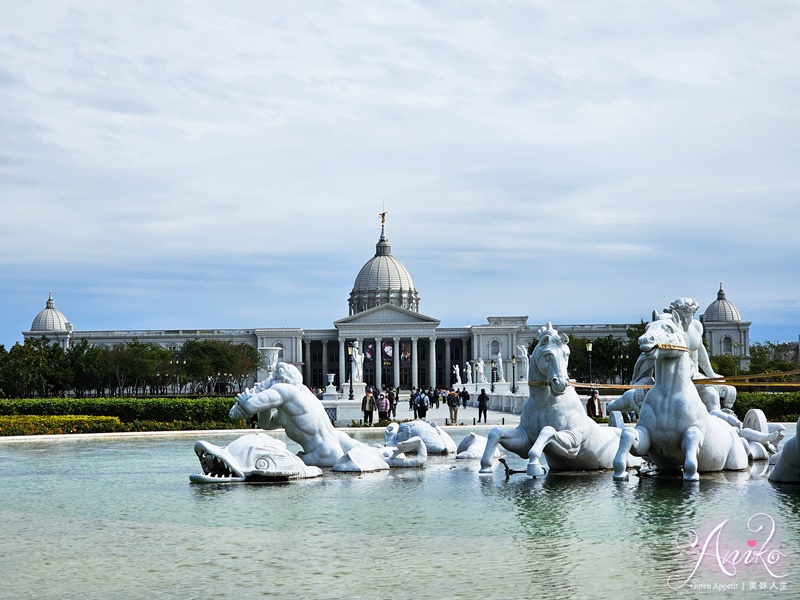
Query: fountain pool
(117,517)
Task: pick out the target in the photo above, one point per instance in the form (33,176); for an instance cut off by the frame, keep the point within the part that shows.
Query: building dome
(50,319)
(383,280)
(721,309)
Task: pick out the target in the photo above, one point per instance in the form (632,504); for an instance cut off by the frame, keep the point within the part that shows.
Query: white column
(378,364)
(396,362)
(307,362)
(448,368)
(414,370)
(432,361)
(342,357)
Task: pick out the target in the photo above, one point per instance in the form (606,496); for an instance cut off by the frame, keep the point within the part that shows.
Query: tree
(87,368)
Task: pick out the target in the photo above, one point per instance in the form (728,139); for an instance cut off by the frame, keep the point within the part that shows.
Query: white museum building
(401,346)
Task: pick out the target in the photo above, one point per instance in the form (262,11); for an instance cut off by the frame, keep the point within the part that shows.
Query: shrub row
(781,406)
(59,424)
(196,410)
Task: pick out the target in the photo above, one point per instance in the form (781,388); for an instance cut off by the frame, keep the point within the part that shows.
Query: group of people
(385,402)
(420,401)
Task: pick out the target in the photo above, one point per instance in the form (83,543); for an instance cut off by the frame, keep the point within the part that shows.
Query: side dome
(721,309)
(383,280)
(50,319)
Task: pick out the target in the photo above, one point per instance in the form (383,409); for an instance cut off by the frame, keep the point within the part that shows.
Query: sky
(222,165)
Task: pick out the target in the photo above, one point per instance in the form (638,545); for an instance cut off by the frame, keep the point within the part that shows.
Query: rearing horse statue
(554,419)
(675,430)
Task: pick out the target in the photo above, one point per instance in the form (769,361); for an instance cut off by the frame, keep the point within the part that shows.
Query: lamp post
(494,374)
(177,364)
(589,350)
(514,374)
(350,355)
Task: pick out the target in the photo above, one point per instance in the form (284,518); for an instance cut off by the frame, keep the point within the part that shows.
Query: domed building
(383,280)
(52,324)
(401,346)
(724,331)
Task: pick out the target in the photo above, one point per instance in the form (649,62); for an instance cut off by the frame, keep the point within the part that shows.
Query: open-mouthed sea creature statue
(256,458)
(283,401)
(553,419)
(786,467)
(675,429)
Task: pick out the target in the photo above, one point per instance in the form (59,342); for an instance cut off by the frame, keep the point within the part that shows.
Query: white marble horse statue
(675,429)
(553,419)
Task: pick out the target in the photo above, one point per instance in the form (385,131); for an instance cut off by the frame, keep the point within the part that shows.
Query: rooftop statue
(250,458)
(787,462)
(283,401)
(553,419)
(674,426)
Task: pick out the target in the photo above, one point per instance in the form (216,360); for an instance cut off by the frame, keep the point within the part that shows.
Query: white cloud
(570,162)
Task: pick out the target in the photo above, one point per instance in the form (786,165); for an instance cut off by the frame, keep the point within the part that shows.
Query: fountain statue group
(682,426)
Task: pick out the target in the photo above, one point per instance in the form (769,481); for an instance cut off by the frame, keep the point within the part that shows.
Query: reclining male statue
(283,401)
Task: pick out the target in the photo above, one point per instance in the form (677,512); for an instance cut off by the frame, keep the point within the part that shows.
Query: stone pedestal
(501,388)
(359,389)
(342,411)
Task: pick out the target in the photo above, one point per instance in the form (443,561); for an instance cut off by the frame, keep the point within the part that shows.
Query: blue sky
(214,165)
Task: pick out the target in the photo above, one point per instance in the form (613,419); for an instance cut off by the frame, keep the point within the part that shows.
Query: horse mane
(547,330)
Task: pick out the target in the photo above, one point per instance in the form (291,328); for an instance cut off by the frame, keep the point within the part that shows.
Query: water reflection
(75,512)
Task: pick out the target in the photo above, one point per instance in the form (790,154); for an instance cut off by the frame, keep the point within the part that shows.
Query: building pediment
(387,314)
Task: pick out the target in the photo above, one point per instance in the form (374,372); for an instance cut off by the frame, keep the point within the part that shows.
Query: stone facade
(402,346)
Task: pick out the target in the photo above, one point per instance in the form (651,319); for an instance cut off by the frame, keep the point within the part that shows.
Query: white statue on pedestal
(522,355)
(358,364)
(457,375)
(481,375)
(468,371)
(501,373)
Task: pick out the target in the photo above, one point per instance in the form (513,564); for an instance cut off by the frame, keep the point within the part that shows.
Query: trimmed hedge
(126,409)
(780,406)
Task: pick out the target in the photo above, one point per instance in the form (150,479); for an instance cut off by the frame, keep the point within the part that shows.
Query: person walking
(392,397)
(422,404)
(383,407)
(483,405)
(452,404)
(464,395)
(433,398)
(368,407)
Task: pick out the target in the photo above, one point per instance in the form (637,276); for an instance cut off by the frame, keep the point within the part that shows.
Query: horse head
(549,360)
(663,337)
